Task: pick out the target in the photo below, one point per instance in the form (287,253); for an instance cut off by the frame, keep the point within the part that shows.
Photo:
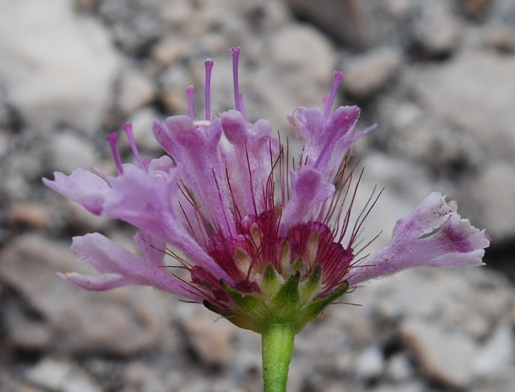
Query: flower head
(264,239)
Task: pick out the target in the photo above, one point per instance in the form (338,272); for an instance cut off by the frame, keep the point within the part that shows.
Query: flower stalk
(277,344)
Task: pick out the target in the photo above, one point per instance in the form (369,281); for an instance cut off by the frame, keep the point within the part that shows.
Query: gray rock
(298,72)
(497,353)
(122,323)
(472,94)
(399,368)
(436,30)
(445,357)
(69,151)
(366,74)
(60,376)
(346,20)
(491,193)
(212,343)
(60,68)
(51,374)
(370,362)
(136,90)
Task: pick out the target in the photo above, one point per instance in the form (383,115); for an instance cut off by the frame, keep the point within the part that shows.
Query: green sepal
(271,281)
(310,287)
(313,310)
(288,295)
(247,302)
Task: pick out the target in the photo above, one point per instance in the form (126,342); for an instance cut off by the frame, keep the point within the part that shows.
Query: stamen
(112,138)
(209,66)
(127,128)
(237,97)
(338,76)
(189,92)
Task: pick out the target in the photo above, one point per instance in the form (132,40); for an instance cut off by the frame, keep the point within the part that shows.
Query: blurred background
(438,77)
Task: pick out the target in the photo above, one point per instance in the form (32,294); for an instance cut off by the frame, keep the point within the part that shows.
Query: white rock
(370,362)
(302,48)
(49,373)
(136,90)
(437,31)
(473,93)
(366,74)
(57,67)
(493,192)
(298,72)
(80,382)
(399,368)
(497,354)
(70,152)
(211,343)
(445,357)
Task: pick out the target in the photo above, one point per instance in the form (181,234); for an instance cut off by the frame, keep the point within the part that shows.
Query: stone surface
(492,191)
(76,320)
(68,151)
(442,356)
(60,68)
(468,95)
(136,90)
(212,345)
(497,353)
(366,74)
(50,374)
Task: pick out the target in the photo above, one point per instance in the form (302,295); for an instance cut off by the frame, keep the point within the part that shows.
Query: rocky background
(437,76)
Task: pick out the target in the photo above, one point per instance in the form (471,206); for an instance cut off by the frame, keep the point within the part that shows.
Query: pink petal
(119,267)
(248,160)
(81,186)
(309,190)
(434,235)
(197,147)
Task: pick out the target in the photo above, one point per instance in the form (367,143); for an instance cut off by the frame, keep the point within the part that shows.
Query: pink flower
(261,237)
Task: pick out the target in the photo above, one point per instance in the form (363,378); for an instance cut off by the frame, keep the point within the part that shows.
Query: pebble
(32,215)
(345,20)
(303,49)
(122,323)
(60,68)
(169,50)
(497,353)
(437,32)
(399,368)
(492,194)
(370,362)
(445,357)
(50,373)
(458,97)
(60,376)
(69,151)
(136,90)
(367,73)
(212,343)
(297,52)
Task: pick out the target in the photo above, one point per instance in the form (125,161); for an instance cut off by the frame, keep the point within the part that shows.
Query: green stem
(277,342)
